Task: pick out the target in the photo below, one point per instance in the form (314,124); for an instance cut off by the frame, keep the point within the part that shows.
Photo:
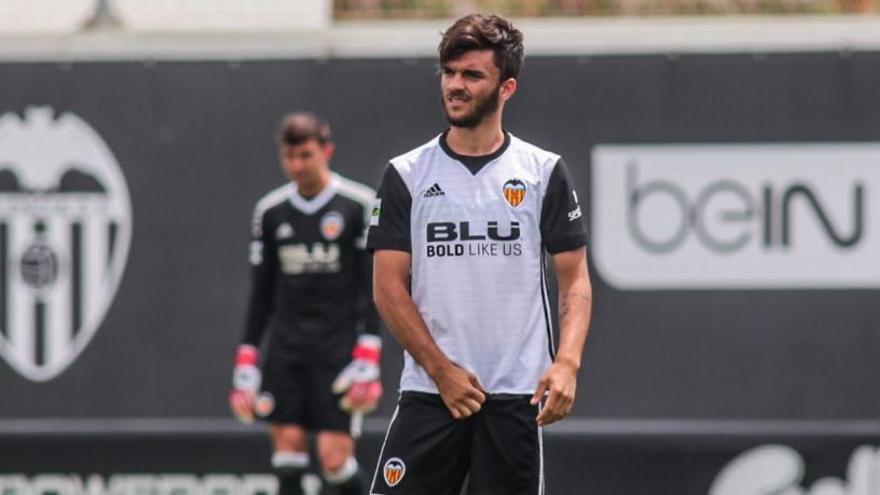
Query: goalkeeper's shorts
(294,393)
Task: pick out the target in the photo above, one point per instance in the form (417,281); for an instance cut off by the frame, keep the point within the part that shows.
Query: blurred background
(729,152)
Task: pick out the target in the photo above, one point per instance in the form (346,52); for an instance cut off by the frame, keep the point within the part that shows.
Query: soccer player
(461,231)
(312,290)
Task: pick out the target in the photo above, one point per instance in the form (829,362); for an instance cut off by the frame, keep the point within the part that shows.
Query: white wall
(67,16)
(43,16)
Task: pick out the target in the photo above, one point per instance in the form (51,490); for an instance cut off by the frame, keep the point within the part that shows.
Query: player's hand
(560,382)
(360,379)
(461,391)
(246,380)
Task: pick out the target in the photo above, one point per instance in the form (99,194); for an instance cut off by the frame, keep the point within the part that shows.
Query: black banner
(575,464)
(193,142)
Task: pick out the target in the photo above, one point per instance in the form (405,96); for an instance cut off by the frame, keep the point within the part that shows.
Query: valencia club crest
(514,192)
(394,471)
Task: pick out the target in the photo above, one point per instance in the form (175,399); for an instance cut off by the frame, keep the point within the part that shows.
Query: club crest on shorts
(65,230)
(394,471)
(514,192)
(264,404)
(332,225)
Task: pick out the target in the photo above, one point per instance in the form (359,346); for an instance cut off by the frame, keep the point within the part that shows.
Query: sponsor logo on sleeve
(376,212)
(575,213)
(256,253)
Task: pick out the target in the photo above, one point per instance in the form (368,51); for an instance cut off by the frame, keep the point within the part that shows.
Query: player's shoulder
(420,156)
(270,201)
(355,191)
(535,154)
(274,198)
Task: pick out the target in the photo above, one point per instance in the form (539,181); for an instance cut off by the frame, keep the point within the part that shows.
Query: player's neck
(314,188)
(481,140)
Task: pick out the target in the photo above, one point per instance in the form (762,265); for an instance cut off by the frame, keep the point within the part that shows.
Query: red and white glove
(246,379)
(360,379)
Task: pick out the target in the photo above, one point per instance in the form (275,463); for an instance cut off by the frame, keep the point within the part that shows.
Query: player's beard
(483,108)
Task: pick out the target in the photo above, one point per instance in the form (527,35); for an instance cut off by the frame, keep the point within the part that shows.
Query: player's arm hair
(391,294)
(264,269)
(575,304)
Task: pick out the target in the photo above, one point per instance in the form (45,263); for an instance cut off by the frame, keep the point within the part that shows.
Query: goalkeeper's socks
(349,480)
(356,485)
(290,484)
(290,467)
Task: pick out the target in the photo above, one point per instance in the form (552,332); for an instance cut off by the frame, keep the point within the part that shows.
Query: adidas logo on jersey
(434,191)
(284,231)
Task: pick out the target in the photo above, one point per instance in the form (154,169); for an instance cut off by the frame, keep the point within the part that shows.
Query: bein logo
(736,216)
(694,215)
(777,469)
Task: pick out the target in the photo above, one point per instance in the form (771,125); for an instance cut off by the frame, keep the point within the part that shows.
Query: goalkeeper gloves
(360,379)
(246,379)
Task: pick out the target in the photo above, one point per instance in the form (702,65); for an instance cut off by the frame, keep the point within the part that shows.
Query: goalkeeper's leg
(290,461)
(338,464)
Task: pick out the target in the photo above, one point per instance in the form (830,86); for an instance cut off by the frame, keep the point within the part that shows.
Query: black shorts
(428,452)
(294,393)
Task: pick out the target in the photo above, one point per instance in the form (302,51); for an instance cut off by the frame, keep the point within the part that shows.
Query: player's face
(470,88)
(305,163)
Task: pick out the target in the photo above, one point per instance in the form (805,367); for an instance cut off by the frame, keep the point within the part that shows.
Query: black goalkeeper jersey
(311,273)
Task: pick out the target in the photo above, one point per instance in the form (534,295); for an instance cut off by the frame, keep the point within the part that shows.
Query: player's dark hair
(297,128)
(485,32)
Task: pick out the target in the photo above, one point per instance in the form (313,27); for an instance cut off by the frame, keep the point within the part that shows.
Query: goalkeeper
(311,292)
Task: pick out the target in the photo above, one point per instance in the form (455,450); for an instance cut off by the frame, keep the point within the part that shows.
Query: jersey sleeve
(562,225)
(263,272)
(390,215)
(368,316)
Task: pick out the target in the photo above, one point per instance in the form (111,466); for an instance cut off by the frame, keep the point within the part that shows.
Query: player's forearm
(574,324)
(260,305)
(575,305)
(368,317)
(406,323)
(258,314)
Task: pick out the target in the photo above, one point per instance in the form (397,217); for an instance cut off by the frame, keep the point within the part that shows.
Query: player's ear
(329,148)
(283,151)
(508,88)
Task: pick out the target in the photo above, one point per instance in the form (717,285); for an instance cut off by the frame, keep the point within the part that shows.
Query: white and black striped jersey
(311,272)
(478,229)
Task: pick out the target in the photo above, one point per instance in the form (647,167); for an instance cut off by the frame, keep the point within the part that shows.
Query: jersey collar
(474,163)
(311,205)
